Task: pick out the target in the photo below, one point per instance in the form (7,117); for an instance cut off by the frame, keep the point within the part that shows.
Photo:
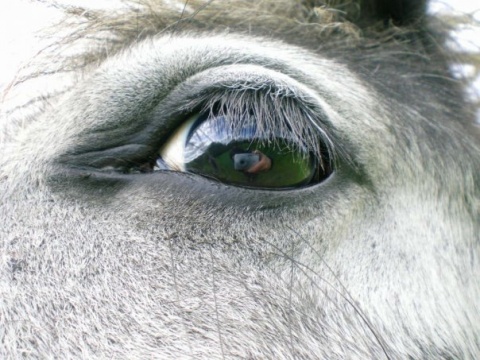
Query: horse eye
(241,154)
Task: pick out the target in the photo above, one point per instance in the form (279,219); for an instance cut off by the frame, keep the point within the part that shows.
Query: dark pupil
(241,157)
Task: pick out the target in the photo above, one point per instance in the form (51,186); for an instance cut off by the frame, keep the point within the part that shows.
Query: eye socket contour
(237,152)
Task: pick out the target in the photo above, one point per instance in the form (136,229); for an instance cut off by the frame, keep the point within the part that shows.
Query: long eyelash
(276,114)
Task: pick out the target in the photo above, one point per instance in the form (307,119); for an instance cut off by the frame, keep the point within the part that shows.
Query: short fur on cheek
(378,260)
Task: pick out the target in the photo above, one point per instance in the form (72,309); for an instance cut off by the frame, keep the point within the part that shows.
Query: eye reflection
(240,155)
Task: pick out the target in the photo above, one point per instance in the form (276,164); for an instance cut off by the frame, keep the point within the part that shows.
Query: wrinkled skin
(380,260)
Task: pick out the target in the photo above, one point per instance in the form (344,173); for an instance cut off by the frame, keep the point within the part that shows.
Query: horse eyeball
(212,146)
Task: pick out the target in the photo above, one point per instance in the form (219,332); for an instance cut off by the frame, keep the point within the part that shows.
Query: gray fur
(381,260)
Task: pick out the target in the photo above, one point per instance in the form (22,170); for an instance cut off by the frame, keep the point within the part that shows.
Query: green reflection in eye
(210,147)
(254,164)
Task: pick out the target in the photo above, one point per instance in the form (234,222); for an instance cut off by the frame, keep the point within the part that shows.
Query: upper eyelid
(152,76)
(221,84)
(160,70)
(152,70)
(169,93)
(196,93)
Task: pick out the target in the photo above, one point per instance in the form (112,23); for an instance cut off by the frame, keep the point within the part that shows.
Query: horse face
(131,229)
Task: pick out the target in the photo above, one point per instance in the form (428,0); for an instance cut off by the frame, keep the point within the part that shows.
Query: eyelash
(271,110)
